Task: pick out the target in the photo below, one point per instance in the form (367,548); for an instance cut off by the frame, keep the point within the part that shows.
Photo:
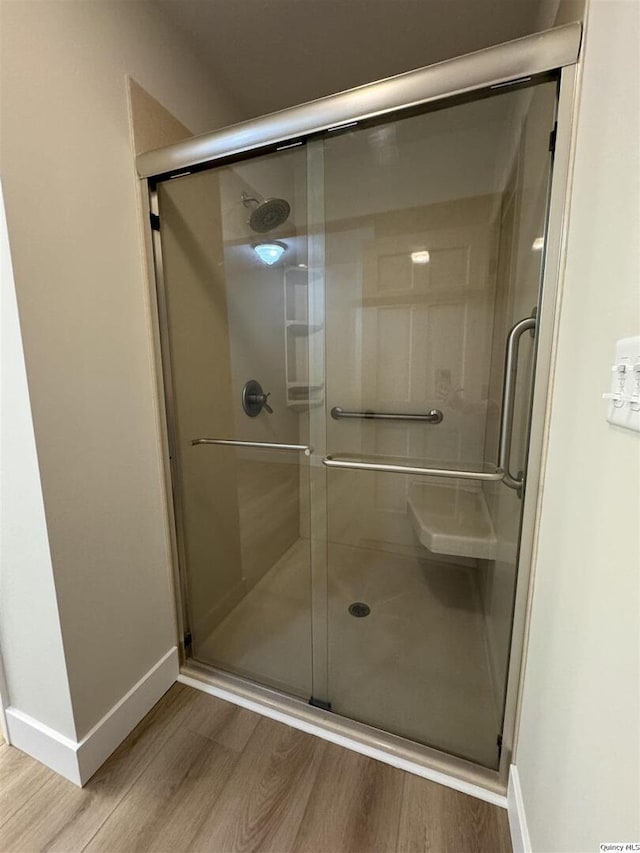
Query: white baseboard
(44,744)
(517,817)
(79,760)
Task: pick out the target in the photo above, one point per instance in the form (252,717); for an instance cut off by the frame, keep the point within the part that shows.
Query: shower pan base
(417,665)
(414,758)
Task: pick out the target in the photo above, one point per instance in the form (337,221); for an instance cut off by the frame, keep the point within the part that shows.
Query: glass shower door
(328,310)
(234,249)
(433,227)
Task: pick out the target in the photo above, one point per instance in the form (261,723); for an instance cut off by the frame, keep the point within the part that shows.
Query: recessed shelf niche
(297,330)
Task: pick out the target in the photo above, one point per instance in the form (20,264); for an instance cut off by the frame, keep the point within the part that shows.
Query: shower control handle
(254,399)
(261,400)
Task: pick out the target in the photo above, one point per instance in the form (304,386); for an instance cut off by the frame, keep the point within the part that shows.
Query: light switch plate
(624,396)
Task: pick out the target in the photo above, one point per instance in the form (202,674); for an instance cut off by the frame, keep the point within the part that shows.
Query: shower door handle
(508,401)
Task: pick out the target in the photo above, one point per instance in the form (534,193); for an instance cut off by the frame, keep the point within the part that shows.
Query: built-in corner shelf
(302,396)
(298,332)
(301,327)
(453,519)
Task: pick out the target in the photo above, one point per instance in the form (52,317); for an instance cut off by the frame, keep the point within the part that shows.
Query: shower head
(268,214)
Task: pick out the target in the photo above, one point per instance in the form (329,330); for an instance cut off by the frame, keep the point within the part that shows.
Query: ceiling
(271,54)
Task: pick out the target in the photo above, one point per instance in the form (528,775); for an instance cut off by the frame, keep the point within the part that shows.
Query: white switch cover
(624,396)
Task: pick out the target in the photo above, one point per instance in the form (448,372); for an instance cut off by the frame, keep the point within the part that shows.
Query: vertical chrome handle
(508,400)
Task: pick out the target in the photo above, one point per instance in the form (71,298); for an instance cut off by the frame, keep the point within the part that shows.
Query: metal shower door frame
(491,68)
(472,75)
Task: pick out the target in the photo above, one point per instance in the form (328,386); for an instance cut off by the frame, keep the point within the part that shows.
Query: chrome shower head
(268,214)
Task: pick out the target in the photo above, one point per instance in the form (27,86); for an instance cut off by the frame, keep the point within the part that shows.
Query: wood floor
(199,774)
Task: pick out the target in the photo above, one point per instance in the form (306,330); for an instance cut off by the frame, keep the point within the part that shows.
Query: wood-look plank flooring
(198,774)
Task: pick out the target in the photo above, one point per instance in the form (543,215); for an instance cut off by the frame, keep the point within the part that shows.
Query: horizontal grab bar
(502,472)
(433,417)
(265,445)
(354,464)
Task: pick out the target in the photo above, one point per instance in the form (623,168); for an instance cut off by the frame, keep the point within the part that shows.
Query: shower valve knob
(262,399)
(254,399)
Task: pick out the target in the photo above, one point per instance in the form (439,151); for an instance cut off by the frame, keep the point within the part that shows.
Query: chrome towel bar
(264,445)
(433,417)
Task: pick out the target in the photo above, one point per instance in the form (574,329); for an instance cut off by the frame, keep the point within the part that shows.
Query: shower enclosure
(354,350)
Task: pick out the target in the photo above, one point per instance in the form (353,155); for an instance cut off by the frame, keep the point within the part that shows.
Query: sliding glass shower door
(433,226)
(236,345)
(337,318)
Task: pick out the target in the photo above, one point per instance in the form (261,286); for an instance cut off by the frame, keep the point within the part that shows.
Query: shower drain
(359,608)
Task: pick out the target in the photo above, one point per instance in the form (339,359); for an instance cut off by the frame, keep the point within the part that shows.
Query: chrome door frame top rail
(354,464)
(435,416)
(516,60)
(263,445)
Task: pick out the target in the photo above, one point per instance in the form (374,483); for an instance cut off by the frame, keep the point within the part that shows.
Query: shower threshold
(448,770)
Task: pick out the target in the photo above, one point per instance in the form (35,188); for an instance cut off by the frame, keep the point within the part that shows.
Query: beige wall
(34,660)
(152,125)
(71,197)
(579,742)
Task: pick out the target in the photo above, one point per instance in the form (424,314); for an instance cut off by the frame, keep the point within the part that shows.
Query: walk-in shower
(350,426)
